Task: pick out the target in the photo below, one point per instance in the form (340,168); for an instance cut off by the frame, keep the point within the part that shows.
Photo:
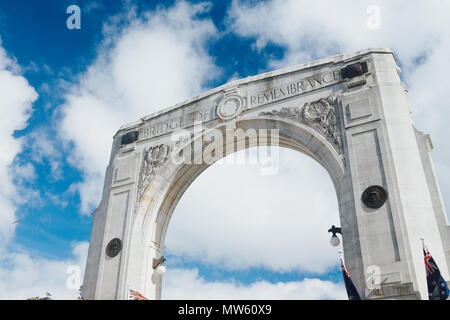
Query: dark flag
(437,287)
(352,292)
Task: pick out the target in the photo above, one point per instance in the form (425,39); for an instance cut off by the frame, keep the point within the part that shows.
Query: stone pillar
(383,150)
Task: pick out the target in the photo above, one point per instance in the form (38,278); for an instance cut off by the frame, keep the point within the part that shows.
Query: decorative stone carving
(392,290)
(231,105)
(286,112)
(154,159)
(113,248)
(321,114)
(374,239)
(374,197)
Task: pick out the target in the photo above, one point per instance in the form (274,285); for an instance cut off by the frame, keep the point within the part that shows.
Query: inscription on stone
(393,290)
(294,88)
(163,127)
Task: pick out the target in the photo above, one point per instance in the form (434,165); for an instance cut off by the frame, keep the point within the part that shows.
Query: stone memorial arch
(348,112)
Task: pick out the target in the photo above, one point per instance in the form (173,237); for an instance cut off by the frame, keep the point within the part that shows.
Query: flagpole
(352,291)
(340,254)
(423,242)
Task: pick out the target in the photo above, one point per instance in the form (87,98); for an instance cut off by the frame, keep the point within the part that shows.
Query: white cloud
(23,276)
(24,172)
(42,145)
(428,92)
(57,199)
(16,99)
(160,60)
(310,30)
(187,284)
(156,61)
(234,217)
(417,31)
(43,148)
(276,222)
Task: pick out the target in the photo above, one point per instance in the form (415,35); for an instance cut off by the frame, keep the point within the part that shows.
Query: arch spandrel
(163,193)
(319,120)
(178,177)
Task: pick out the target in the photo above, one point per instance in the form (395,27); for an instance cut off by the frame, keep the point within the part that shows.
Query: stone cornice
(341,58)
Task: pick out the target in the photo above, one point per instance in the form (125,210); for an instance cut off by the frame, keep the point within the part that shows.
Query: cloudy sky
(64,93)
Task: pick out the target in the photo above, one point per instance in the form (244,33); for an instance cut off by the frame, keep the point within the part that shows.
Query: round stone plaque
(374,197)
(230,107)
(113,248)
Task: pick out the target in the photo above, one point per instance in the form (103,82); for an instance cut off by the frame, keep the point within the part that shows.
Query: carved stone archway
(348,112)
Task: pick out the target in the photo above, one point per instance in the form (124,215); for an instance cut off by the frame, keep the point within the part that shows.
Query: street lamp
(158,265)
(334,241)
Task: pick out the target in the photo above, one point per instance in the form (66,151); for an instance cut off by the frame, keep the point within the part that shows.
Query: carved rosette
(231,105)
(154,158)
(321,115)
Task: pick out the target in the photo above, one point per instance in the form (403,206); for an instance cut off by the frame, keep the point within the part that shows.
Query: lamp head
(160,270)
(334,241)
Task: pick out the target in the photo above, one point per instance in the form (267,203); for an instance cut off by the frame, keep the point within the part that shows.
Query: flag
(352,292)
(134,295)
(437,287)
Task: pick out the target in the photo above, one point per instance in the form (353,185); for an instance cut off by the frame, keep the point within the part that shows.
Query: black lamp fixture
(334,241)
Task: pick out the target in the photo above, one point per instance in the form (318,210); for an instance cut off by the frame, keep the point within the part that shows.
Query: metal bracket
(157,262)
(334,230)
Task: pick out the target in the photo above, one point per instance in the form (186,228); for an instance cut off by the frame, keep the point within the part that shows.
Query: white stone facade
(359,128)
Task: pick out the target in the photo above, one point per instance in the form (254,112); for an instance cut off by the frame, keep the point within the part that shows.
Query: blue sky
(50,53)
(105,72)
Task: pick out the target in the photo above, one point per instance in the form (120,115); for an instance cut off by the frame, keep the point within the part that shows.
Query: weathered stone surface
(359,128)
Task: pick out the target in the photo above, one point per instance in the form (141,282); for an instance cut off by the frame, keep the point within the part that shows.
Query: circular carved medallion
(113,248)
(230,107)
(374,197)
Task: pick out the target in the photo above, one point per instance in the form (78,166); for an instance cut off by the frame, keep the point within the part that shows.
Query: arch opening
(270,227)
(175,180)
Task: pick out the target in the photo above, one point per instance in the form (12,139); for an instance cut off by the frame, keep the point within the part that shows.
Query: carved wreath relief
(320,114)
(154,158)
(113,248)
